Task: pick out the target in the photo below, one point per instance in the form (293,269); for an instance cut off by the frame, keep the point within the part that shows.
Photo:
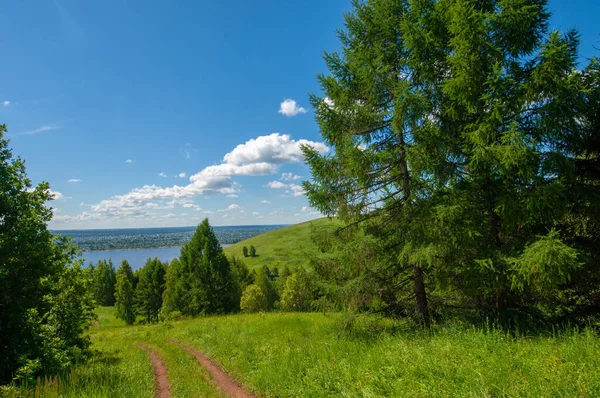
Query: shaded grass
(291,246)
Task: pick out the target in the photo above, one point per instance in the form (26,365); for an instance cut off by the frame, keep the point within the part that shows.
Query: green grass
(313,355)
(291,246)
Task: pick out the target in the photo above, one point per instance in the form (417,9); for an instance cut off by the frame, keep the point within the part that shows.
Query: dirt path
(228,385)
(163,390)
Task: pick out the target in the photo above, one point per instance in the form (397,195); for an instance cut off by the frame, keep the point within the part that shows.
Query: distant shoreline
(144,248)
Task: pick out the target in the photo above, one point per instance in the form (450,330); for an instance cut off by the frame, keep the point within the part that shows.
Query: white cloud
(233,207)
(296,214)
(265,201)
(74,180)
(181,175)
(289,177)
(258,156)
(161,174)
(40,129)
(5,103)
(329,102)
(56,195)
(256,213)
(232,195)
(295,190)
(305,208)
(208,212)
(289,108)
(191,206)
(276,185)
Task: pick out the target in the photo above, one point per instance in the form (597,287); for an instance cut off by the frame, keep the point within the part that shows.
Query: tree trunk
(421,296)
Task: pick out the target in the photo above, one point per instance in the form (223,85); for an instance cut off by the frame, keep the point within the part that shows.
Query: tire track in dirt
(163,389)
(223,381)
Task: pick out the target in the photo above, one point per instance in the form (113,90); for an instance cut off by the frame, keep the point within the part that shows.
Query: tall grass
(317,355)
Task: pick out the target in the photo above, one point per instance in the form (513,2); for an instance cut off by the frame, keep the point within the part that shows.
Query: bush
(297,293)
(253,299)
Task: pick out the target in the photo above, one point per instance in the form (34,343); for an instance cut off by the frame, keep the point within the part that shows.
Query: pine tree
(245,251)
(125,294)
(105,280)
(252,251)
(150,289)
(203,281)
(464,132)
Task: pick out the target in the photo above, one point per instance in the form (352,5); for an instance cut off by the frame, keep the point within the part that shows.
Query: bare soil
(225,383)
(163,389)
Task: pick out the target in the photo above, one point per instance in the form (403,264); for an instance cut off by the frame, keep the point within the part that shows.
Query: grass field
(291,246)
(314,355)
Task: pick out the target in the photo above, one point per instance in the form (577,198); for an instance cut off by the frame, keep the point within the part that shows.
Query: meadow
(291,245)
(324,355)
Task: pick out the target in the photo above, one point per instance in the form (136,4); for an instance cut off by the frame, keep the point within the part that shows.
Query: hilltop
(291,246)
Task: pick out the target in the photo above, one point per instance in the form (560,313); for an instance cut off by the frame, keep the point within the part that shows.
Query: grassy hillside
(318,355)
(291,246)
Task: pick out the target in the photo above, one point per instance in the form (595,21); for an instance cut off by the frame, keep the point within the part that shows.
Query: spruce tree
(150,289)
(464,133)
(125,294)
(202,281)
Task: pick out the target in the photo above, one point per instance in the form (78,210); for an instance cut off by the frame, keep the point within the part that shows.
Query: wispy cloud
(265,201)
(290,108)
(182,174)
(74,180)
(129,161)
(41,129)
(161,174)
(5,103)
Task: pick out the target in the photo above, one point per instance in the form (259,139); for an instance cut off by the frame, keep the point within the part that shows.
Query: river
(135,257)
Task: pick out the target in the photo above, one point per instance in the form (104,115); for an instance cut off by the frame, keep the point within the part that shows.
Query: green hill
(291,246)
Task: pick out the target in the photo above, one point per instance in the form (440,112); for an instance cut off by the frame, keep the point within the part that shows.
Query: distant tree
(241,277)
(252,251)
(125,300)
(126,270)
(125,294)
(282,278)
(253,299)
(45,300)
(263,281)
(245,251)
(297,293)
(203,280)
(150,289)
(274,273)
(105,280)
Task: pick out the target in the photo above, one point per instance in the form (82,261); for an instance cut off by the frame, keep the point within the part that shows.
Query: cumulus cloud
(289,108)
(276,185)
(74,180)
(260,156)
(289,177)
(181,175)
(233,207)
(161,174)
(56,195)
(295,190)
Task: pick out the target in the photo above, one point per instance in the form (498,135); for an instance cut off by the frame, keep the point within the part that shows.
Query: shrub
(253,299)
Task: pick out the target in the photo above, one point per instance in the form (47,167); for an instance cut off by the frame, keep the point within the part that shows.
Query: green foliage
(297,294)
(202,280)
(253,299)
(252,251)
(264,282)
(461,131)
(150,289)
(545,264)
(125,299)
(45,303)
(245,251)
(105,280)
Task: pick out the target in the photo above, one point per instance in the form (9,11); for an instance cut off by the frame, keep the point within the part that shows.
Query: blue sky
(161,113)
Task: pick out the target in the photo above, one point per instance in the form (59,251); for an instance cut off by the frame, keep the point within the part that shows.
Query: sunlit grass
(291,246)
(317,355)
